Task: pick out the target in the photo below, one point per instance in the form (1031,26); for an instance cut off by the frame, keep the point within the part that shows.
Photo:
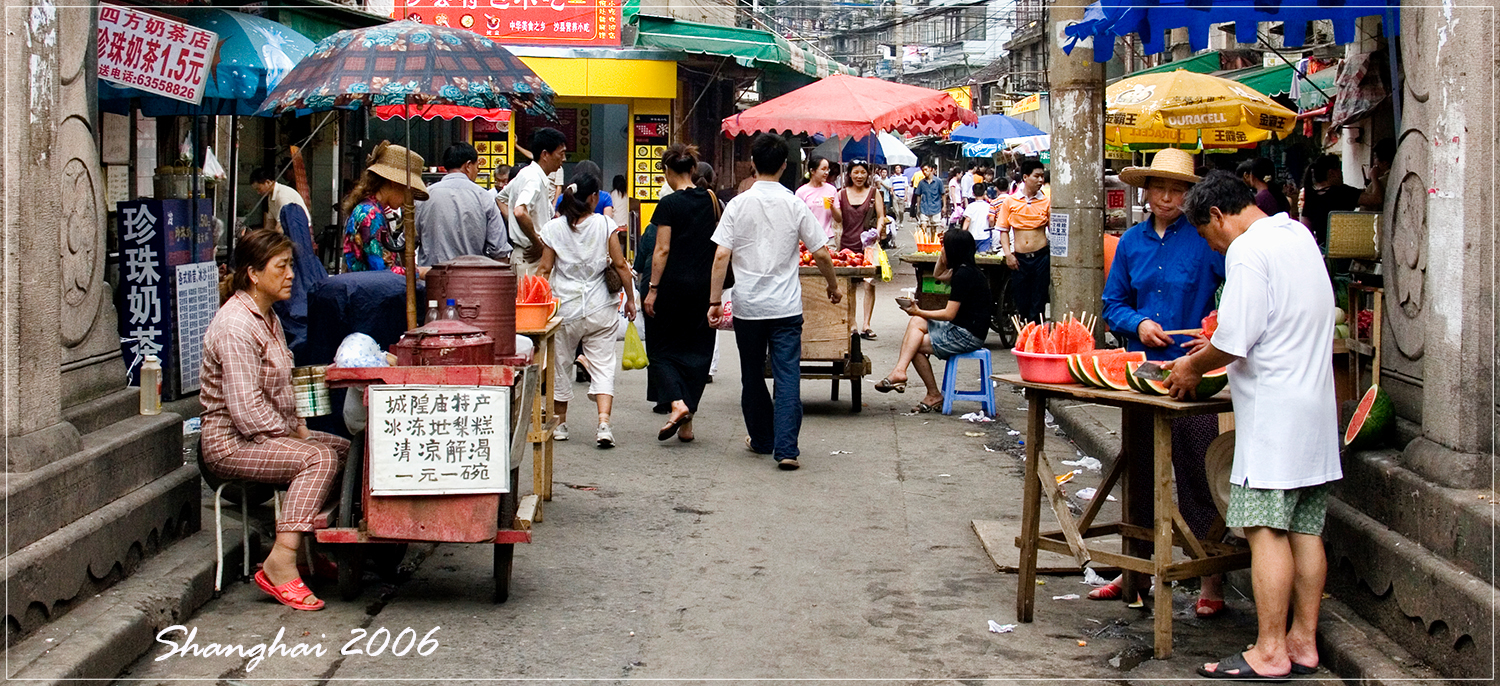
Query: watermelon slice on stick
(1372,420)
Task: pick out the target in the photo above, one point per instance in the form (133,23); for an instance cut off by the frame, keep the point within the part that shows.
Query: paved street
(671,560)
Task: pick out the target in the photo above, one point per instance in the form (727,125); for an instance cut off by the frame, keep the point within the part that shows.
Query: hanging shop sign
(439,440)
(153,54)
(157,298)
(1030,103)
(523,22)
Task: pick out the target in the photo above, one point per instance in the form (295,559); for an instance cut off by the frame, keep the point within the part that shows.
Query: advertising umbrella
(411,64)
(994,129)
(1182,109)
(885,149)
(843,105)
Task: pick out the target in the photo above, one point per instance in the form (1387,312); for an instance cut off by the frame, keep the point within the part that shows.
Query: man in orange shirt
(1026,213)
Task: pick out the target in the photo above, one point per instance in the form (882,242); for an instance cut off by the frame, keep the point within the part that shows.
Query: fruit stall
(933,294)
(830,345)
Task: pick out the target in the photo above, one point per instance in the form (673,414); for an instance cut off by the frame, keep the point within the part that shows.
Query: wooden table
(1147,497)
(543,413)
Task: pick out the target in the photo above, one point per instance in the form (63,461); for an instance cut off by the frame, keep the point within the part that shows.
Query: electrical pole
(1076,87)
(900,28)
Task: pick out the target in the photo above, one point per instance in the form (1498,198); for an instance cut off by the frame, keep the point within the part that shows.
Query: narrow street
(701,560)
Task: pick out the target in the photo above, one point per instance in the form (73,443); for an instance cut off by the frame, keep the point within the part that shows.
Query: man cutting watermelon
(1273,324)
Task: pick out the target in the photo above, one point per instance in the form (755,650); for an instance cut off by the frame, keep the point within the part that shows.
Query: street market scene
(928,340)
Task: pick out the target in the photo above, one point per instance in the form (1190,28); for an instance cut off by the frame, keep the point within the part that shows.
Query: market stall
(933,295)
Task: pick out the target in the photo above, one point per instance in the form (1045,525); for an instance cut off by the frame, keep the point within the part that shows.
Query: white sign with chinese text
(197,301)
(439,440)
(1057,234)
(154,54)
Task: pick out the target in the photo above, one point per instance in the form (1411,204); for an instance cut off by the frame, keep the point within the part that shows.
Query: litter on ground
(976,417)
(1089,493)
(1086,462)
(1070,596)
(839,452)
(998,628)
(973,434)
(1092,577)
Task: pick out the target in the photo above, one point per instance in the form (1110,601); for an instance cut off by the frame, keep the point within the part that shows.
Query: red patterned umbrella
(853,106)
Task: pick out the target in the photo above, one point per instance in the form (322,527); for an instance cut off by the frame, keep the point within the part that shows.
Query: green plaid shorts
(1298,510)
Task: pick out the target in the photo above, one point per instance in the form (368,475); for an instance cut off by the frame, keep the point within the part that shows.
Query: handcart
(933,295)
(446,510)
(830,345)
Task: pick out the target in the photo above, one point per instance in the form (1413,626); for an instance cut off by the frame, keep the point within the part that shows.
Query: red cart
(373,516)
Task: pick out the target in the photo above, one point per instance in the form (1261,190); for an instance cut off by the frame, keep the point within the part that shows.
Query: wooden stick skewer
(1183,332)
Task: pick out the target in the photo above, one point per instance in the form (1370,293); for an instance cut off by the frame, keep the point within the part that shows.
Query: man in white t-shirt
(758,234)
(529,202)
(977,222)
(966,183)
(1275,319)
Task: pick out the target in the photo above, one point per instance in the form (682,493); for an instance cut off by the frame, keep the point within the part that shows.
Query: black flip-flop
(672,426)
(1236,663)
(868,335)
(1303,670)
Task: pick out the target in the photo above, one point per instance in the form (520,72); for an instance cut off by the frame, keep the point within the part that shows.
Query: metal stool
(985,396)
(219,485)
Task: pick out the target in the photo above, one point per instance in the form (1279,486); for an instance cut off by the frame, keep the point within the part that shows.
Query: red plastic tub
(1042,368)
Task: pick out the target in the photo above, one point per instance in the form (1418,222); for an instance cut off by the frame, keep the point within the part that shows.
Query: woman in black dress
(679,341)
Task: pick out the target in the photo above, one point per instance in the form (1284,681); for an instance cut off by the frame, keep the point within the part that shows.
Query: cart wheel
(387,558)
(350,558)
(504,555)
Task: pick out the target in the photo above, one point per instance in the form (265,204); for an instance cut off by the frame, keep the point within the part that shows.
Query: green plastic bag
(635,351)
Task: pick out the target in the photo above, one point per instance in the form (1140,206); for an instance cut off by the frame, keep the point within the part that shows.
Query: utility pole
(900,28)
(1076,85)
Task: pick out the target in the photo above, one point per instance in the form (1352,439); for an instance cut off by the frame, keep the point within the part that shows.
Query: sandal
(924,408)
(683,425)
(1208,608)
(886,386)
(672,426)
(868,334)
(1241,669)
(293,594)
(1109,591)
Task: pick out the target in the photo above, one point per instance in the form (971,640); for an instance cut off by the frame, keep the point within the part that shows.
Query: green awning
(1310,98)
(1206,63)
(1271,81)
(319,19)
(750,47)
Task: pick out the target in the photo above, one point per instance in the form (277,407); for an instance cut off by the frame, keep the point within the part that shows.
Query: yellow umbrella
(1182,109)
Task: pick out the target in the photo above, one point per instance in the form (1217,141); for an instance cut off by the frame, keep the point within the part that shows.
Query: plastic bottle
(151,385)
(451,312)
(432,312)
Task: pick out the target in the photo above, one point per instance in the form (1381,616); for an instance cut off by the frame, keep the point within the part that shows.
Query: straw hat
(391,162)
(1218,463)
(1169,163)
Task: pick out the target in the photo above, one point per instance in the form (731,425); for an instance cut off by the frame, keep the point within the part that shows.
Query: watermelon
(1210,324)
(1211,383)
(1372,420)
(1111,372)
(1075,368)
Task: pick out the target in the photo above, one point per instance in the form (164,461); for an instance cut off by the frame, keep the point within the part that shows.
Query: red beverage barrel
(484,291)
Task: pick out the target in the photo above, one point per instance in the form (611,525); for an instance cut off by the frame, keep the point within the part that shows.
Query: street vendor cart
(933,295)
(830,345)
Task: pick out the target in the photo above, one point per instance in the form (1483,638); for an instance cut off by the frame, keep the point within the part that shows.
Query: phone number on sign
(153,83)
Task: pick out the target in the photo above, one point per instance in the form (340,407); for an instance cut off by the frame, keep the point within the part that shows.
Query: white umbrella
(890,150)
(1030,145)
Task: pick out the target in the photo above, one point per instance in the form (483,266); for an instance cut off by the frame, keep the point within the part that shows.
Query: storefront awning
(1207,63)
(1106,20)
(1275,80)
(1317,89)
(750,47)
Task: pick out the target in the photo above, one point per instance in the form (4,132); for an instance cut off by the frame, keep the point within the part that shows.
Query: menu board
(652,133)
(197,301)
(439,440)
(492,142)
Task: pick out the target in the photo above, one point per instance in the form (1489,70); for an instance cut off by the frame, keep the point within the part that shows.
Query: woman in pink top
(821,196)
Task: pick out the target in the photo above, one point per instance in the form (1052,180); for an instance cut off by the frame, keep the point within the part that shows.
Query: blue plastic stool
(986,396)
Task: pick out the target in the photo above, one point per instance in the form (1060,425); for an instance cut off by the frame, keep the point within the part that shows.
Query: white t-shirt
(1276,314)
(966,185)
(281,196)
(578,271)
(978,214)
(761,227)
(622,207)
(531,188)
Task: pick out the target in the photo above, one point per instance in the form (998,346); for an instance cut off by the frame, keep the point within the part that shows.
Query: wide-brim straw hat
(392,162)
(1169,163)
(1217,465)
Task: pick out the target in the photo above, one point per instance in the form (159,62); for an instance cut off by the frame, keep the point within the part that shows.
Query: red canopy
(852,106)
(430,112)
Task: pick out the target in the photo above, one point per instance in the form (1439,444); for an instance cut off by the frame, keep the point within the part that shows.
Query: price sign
(154,54)
(439,440)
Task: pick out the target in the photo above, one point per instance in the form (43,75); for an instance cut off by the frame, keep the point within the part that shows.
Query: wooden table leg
(1136,495)
(1164,507)
(541,453)
(1031,505)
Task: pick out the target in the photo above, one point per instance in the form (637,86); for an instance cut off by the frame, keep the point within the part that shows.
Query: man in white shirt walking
(529,200)
(460,217)
(758,235)
(1274,322)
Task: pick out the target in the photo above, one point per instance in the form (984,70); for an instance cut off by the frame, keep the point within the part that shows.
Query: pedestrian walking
(459,217)
(928,199)
(977,220)
(1260,173)
(955,192)
(679,341)
(1324,191)
(900,191)
(619,197)
(578,247)
(862,214)
(529,199)
(1026,213)
(758,236)
(373,239)
(1274,318)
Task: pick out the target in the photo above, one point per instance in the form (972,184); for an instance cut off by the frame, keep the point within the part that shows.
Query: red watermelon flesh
(1111,370)
(1023,338)
(1372,420)
(1210,324)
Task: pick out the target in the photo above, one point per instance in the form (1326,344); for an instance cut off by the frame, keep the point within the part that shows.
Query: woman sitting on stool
(954,330)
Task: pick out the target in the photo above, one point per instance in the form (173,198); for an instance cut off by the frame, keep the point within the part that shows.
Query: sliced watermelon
(1210,324)
(1075,368)
(1211,383)
(1111,372)
(1372,420)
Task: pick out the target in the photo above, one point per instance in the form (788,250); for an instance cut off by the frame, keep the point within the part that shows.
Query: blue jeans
(774,427)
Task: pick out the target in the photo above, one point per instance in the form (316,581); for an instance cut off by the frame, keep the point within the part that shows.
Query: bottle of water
(151,385)
(451,312)
(432,312)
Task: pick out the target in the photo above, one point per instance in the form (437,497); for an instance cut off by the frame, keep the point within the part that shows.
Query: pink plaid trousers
(309,466)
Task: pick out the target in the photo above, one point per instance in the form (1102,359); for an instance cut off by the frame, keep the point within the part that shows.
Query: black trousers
(1031,282)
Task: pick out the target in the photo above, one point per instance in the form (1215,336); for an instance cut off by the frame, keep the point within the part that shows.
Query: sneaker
(605,437)
(788,464)
(560,433)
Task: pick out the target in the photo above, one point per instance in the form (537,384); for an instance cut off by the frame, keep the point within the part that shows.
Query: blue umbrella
(253,56)
(994,129)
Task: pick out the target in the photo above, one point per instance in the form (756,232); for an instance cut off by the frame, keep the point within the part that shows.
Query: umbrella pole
(409,231)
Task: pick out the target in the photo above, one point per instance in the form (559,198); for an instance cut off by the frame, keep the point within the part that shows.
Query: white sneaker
(605,437)
(560,433)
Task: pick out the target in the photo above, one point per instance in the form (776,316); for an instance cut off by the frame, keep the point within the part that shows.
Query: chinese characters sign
(154,54)
(523,22)
(156,237)
(439,440)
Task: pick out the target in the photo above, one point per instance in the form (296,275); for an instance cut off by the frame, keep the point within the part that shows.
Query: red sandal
(1208,608)
(1109,591)
(293,594)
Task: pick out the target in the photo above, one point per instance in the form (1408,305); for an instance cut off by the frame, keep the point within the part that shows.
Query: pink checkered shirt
(246,380)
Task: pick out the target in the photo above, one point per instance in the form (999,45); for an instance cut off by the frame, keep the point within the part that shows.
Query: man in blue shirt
(929,192)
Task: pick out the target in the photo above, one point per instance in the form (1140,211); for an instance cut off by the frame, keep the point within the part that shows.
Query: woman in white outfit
(577,252)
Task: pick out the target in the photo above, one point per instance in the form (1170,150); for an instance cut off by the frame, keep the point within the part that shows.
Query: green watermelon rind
(1208,386)
(1378,419)
(1103,378)
(1075,369)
